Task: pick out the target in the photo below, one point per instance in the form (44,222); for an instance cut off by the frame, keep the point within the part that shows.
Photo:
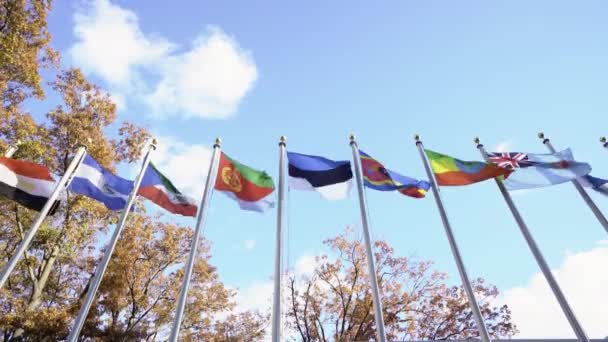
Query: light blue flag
(532,170)
(92,180)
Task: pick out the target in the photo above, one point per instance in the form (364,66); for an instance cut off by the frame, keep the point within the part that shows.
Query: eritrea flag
(249,187)
(452,171)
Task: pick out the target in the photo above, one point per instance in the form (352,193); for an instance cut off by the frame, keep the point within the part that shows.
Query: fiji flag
(92,180)
(331,179)
(377,177)
(534,170)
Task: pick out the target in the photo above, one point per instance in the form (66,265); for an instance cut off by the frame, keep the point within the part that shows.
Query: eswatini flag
(249,187)
(26,183)
(158,189)
(452,171)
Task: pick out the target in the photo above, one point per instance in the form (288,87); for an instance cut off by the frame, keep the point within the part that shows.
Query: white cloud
(110,42)
(583,279)
(184,164)
(208,80)
(258,296)
(504,146)
(250,245)
(305,265)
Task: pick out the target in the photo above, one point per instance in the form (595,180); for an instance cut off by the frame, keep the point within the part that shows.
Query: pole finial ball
(541,135)
(476,140)
(417,137)
(603,140)
(218,141)
(283,139)
(351,137)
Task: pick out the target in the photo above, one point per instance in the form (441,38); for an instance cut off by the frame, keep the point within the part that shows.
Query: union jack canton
(510,160)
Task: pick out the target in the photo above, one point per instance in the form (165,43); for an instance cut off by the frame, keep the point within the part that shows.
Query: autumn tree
(136,300)
(37,286)
(25,49)
(334,303)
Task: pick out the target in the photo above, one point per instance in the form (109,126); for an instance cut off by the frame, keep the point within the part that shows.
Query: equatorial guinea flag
(249,187)
(158,189)
(26,183)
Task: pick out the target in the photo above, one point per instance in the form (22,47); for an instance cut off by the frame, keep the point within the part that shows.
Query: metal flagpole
(62,184)
(202,212)
(12,149)
(109,249)
(278,267)
(540,260)
(371,268)
(579,187)
(483,332)
(604,142)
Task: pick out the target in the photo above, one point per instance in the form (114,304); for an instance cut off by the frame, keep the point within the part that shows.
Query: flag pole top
(86,144)
(477,142)
(543,137)
(154,143)
(352,138)
(417,139)
(218,142)
(282,140)
(603,140)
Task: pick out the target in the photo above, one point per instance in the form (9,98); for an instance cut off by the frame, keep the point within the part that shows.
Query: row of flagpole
(538,256)
(276,311)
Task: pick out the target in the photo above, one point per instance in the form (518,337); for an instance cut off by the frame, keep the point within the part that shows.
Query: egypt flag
(249,187)
(158,189)
(26,183)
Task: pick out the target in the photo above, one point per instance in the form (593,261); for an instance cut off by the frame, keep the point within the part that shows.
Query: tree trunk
(39,286)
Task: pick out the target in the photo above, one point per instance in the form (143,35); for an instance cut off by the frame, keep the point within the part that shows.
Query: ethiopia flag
(26,183)
(158,189)
(249,187)
(452,171)
(377,177)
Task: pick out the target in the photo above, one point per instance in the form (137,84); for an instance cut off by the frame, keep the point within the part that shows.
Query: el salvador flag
(331,179)
(92,180)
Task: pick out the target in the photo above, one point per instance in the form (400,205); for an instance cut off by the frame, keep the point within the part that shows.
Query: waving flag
(377,177)
(597,184)
(452,171)
(249,187)
(26,183)
(159,189)
(94,181)
(532,170)
(331,179)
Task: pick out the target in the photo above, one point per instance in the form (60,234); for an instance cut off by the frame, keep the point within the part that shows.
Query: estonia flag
(331,179)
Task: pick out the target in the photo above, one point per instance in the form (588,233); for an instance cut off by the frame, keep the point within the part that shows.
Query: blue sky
(317,71)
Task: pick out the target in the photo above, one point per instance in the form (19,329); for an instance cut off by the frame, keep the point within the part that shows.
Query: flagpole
(579,187)
(604,142)
(483,332)
(540,260)
(371,267)
(12,149)
(202,212)
(278,267)
(109,249)
(62,184)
